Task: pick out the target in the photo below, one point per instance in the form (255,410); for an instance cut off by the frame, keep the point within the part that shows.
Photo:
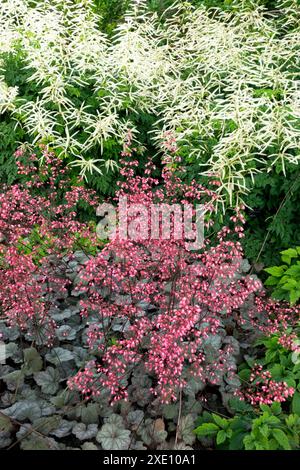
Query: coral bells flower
(38,232)
(166,302)
(264,390)
(289,342)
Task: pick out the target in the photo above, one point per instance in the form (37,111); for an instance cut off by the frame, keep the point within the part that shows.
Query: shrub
(272,224)
(265,429)
(285,279)
(36,233)
(170,302)
(234,111)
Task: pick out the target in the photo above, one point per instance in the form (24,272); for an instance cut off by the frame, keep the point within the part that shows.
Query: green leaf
(294,296)
(296,403)
(221,437)
(271,281)
(221,422)
(244,374)
(207,429)
(287,255)
(277,371)
(293,270)
(58,355)
(249,442)
(112,437)
(48,380)
(288,283)
(270,356)
(239,405)
(264,408)
(281,438)
(276,271)
(276,408)
(32,361)
(290,381)
(5,423)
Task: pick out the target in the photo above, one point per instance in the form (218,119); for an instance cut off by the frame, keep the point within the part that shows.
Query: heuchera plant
(36,232)
(168,300)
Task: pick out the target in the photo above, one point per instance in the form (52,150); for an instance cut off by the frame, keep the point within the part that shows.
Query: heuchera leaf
(32,361)
(59,355)
(112,437)
(64,429)
(82,432)
(24,410)
(186,429)
(89,414)
(47,424)
(48,380)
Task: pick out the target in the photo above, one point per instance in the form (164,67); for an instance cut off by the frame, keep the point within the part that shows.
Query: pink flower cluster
(264,390)
(168,301)
(153,303)
(38,227)
(289,342)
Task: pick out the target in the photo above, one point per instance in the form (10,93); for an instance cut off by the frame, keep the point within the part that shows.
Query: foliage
(47,341)
(266,428)
(34,228)
(118,322)
(126,275)
(284,280)
(272,220)
(125,284)
(234,111)
(111,12)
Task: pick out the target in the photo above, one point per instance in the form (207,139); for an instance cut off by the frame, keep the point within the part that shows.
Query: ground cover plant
(235,118)
(137,114)
(114,322)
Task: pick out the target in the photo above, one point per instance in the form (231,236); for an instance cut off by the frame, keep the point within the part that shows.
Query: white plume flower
(226,83)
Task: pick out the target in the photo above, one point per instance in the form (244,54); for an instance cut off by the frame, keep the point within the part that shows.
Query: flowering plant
(36,233)
(225,82)
(170,303)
